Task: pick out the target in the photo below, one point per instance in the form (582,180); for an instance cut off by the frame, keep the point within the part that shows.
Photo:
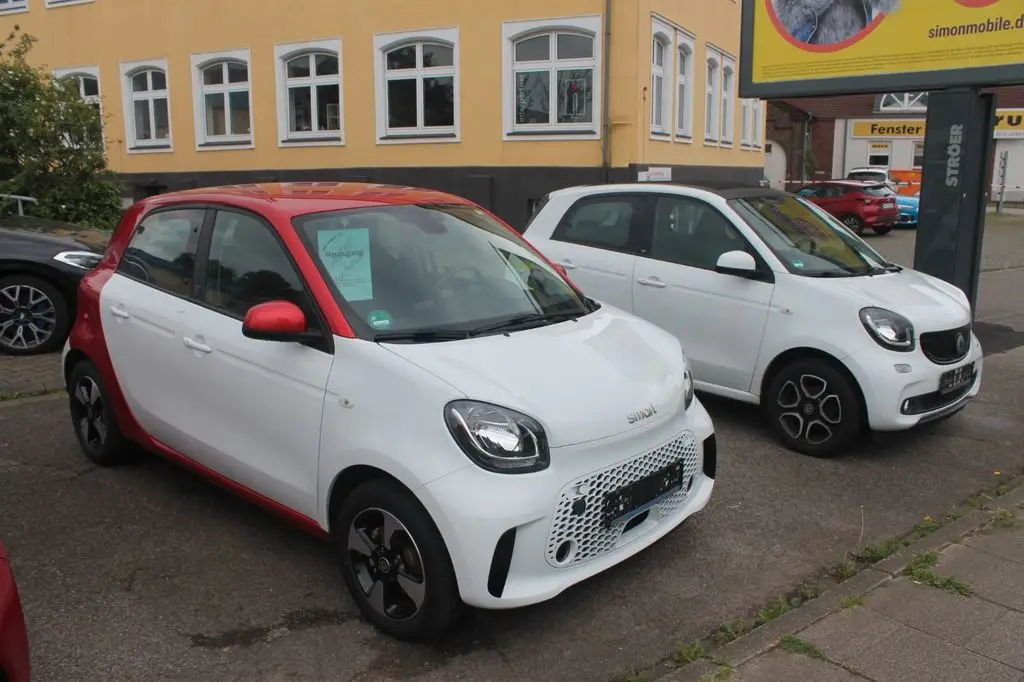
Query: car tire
(855,224)
(884,229)
(406,585)
(813,408)
(39,299)
(93,418)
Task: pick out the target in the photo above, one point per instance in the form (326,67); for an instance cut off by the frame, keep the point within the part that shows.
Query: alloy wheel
(387,564)
(28,317)
(88,413)
(810,411)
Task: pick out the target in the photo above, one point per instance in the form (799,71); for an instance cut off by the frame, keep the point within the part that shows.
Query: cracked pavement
(146,572)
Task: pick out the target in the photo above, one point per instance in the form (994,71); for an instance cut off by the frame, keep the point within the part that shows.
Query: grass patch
(880,551)
(18,395)
(722,675)
(728,632)
(635,677)
(851,602)
(844,571)
(688,653)
(919,570)
(802,647)
(1004,518)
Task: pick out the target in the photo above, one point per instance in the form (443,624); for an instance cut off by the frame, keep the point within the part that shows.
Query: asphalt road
(145,572)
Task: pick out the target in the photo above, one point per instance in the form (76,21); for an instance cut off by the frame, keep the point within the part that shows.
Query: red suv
(857,204)
(14,663)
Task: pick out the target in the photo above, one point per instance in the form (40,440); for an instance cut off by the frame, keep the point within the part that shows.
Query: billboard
(807,48)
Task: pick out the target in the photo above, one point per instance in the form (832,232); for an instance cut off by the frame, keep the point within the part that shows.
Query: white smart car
(775,303)
(398,370)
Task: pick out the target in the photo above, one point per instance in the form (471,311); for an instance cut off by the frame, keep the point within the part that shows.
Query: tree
(51,143)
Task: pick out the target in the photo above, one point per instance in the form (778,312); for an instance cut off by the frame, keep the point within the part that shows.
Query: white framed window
(712,97)
(65,3)
(746,123)
(222,90)
(417,86)
(310,111)
(758,132)
(87,80)
(684,86)
(147,106)
(551,79)
(662,59)
(13,6)
(728,115)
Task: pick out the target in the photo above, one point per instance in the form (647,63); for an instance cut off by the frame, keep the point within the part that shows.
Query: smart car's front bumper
(901,390)
(521,539)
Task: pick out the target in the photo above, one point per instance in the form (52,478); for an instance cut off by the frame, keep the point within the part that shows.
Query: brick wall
(786,129)
(823,147)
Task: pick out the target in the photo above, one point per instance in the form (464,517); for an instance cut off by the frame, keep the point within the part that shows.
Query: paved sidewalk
(947,613)
(30,375)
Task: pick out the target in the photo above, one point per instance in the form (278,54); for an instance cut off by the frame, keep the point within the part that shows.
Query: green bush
(51,144)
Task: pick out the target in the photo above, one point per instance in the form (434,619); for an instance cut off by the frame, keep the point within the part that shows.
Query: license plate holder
(633,497)
(956,379)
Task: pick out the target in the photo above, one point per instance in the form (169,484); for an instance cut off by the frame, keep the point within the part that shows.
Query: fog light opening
(565,552)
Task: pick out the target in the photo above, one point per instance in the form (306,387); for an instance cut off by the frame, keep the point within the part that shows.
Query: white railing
(21,201)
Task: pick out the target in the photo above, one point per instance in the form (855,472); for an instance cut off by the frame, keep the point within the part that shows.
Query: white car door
(718,318)
(257,405)
(595,242)
(142,311)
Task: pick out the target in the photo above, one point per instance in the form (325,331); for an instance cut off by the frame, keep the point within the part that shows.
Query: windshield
(433,268)
(878,191)
(806,239)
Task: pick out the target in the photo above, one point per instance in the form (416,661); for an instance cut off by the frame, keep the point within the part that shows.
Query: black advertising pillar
(957,157)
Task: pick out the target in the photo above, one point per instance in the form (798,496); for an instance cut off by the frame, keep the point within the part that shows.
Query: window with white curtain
(684,87)
(728,115)
(711,98)
(659,52)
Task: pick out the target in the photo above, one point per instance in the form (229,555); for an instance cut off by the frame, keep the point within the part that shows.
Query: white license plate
(888,205)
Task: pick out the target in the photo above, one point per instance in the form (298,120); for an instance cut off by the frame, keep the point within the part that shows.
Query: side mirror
(275,321)
(738,263)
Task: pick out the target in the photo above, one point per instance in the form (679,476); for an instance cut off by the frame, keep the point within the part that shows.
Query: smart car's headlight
(687,388)
(85,260)
(890,330)
(496,438)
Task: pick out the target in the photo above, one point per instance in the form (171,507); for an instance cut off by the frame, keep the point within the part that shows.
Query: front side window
(162,251)
(248,266)
(223,99)
(149,112)
(691,232)
(554,81)
(806,239)
(439,268)
(419,88)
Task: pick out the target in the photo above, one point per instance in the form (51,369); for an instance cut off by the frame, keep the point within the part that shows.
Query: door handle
(567,264)
(120,312)
(652,282)
(195,345)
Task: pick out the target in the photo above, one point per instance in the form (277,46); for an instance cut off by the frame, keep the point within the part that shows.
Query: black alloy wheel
(93,417)
(33,316)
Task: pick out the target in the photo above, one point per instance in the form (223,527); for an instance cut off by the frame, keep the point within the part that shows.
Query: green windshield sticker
(379,319)
(346,256)
(797,263)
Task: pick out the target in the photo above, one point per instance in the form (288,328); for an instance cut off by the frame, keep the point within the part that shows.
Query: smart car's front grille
(577,532)
(948,346)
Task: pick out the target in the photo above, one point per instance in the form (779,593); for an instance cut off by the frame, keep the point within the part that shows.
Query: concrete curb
(766,637)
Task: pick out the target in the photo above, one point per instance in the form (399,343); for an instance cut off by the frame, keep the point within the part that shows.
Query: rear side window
(601,222)
(162,251)
(877,191)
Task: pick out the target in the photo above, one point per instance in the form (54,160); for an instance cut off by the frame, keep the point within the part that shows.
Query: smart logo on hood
(641,414)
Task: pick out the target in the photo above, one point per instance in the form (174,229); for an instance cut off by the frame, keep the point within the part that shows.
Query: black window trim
(764,270)
(636,238)
(325,341)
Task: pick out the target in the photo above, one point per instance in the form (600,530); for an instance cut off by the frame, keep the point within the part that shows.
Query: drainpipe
(606,78)
(807,145)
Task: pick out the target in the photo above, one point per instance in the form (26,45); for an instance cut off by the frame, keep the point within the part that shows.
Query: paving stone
(1004,641)
(1007,543)
(845,633)
(950,617)
(31,374)
(992,577)
(909,654)
(781,665)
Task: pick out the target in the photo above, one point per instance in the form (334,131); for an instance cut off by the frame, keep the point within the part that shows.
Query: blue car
(908,209)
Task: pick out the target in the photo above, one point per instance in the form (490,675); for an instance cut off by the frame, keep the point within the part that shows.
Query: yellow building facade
(497,102)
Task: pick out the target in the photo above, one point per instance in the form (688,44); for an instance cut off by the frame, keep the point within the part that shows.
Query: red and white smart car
(399,369)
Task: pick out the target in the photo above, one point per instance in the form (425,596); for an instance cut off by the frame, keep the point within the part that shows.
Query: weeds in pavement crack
(690,653)
(919,570)
(851,602)
(1003,518)
(796,645)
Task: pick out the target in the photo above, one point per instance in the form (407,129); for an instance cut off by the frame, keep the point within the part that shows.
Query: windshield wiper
(525,319)
(832,273)
(421,335)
